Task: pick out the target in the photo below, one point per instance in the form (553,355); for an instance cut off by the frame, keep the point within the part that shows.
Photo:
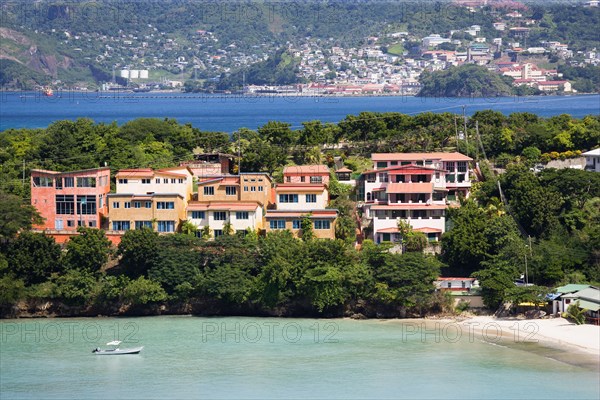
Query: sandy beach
(553,332)
(556,338)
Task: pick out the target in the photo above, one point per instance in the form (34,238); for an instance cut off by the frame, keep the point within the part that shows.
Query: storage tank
(125,73)
(143,74)
(134,73)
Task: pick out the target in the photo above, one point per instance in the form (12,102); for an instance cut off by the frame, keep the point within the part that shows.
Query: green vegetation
(280,275)
(254,28)
(279,69)
(465,81)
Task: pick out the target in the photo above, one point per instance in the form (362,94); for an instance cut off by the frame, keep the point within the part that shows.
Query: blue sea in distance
(271,358)
(227,113)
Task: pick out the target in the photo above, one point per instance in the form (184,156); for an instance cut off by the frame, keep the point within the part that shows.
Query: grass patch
(396,49)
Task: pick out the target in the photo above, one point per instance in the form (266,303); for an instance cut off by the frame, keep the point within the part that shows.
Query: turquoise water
(229,113)
(190,357)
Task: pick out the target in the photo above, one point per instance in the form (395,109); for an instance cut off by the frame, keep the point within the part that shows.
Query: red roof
(420,156)
(300,187)
(410,187)
(135,173)
(455,279)
(388,230)
(330,213)
(344,169)
(409,206)
(428,230)
(146,173)
(306,170)
(405,169)
(223,206)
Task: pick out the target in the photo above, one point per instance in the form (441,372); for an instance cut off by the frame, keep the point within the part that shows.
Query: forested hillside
(83,41)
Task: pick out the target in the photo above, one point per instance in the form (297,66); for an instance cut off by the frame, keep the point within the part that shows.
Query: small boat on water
(48,92)
(115,350)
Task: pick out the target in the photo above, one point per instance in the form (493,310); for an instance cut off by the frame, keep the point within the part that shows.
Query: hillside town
(391,62)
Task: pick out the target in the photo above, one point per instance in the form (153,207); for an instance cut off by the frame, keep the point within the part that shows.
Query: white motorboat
(115,350)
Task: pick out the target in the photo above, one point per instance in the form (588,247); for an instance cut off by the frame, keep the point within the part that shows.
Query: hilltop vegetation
(278,274)
(80,42)
(465,81)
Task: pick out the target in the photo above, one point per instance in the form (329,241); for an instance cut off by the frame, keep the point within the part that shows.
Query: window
(245,188)
(230,190)
(370,178)
(165,205)
(137,204)
(383,177)
(116,204)
(450,166)
(462,166)
(394,163)
(145,181)
(316,179)
(382,164)
(58,183)
(65,204)
(260,188)
(322,224)
(296,224)
(143,224)
(198,214)
(180,180)
(123,181)
(449,285)
(165,180)
(288,179)
(121,225)
(148,204)
(405,162)
(42,181)
(166,226)
(86,205)
(100,201)
(157,180)
(69,181)
(311,198)
(288,198)
(302,179)
(173,180)
(86,182)
(70,223)
(220,215)
(127,204)
(92,224)
(277,224)
(253,188)
(209,190)
(218,232)
(241,215)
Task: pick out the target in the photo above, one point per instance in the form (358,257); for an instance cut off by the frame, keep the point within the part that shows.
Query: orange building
(67,200)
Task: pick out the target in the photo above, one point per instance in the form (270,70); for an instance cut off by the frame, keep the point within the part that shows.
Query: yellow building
(323,222)
(149,198)
(237,201)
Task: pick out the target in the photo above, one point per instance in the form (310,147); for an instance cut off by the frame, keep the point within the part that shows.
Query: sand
(553,332)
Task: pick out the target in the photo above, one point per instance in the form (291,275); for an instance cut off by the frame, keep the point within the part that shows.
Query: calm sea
(262,358)
(228,113)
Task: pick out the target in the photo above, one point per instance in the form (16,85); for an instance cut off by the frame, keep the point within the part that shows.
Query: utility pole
(239,154)
(456,133)
(23,172)
(465,128)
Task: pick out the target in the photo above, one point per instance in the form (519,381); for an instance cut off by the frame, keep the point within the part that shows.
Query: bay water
(264,358)
(227,113)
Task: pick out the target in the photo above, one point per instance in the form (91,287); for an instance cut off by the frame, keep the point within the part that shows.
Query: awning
(588,305)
